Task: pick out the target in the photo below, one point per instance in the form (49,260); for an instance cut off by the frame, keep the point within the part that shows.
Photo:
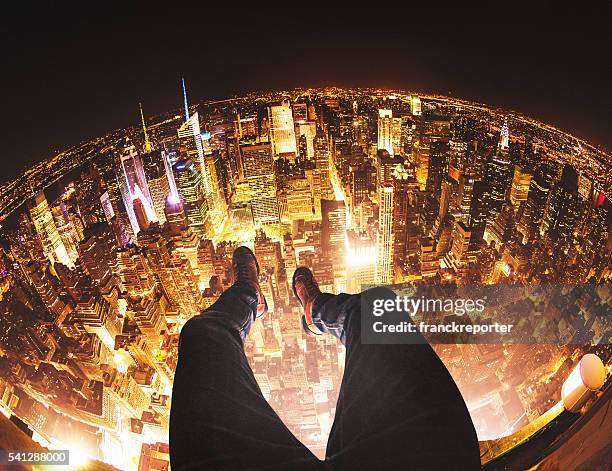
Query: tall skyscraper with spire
(191,147)
(147,143)
(504,136)
(498,175)
(185,100)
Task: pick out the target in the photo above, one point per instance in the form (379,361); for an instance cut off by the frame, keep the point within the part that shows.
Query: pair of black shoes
(245,270)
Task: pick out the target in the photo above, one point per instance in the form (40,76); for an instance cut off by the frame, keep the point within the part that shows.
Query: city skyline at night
(109,247)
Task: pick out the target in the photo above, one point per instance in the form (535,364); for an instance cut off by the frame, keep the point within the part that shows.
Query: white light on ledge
(581,385)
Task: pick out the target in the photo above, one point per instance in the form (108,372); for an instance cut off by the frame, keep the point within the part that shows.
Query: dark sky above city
(69,78)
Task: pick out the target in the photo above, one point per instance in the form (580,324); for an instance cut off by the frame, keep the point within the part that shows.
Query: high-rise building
(437,166)
(404,184)
(520,184)
(69,226)
(457,258)
(141,215)
(98,254)
(297,197)
(386,165)
(385,240)
(134,185)
(259,171)
(282,129)
(175,215)
(333,229)
(500,230)
(498,179)
(322,155)
(189,183)
(504,136)
(563,210)
(415,105)
(43,221)
(98,317)
(333,239)
(361,258)
(156,170)
(421,155)
(190,148)
(429,263)
(40,277)
(537,197)
(389,132)
(149,318)
(308,131)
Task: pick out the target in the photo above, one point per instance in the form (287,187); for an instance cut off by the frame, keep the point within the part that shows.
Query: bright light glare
(77,457)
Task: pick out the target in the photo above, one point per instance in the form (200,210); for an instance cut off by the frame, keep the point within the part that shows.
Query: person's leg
(219,418)
(398,406)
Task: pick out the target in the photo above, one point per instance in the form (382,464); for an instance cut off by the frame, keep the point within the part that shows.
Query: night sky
(68,78)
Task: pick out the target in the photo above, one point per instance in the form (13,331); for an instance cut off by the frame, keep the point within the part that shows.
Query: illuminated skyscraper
(333,229)
(308,131)
(173,271)
(147,315)
(504,136)
(98,253)
(156,171)
(40,277)
(190,148)
(141,214)
(520,185)
(298,200)
(458,257)
(189,182)
(385,130)
(52,244)
(415,105)
(133,185)
(333,239)
(539,189)
(282,129)
(385,240)
(322,175)
(107,207)
(499,231)
(69,229)
(437,166)
(564,209)
(98,317)
(498,177)
(259,171)
(404,184)
(361,259)
(175,215)
(421,156)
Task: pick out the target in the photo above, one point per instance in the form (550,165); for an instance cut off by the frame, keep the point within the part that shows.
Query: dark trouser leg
(398,408)
(220,419)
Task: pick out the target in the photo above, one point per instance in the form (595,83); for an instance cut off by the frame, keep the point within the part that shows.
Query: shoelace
(309,284)
(243,271)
